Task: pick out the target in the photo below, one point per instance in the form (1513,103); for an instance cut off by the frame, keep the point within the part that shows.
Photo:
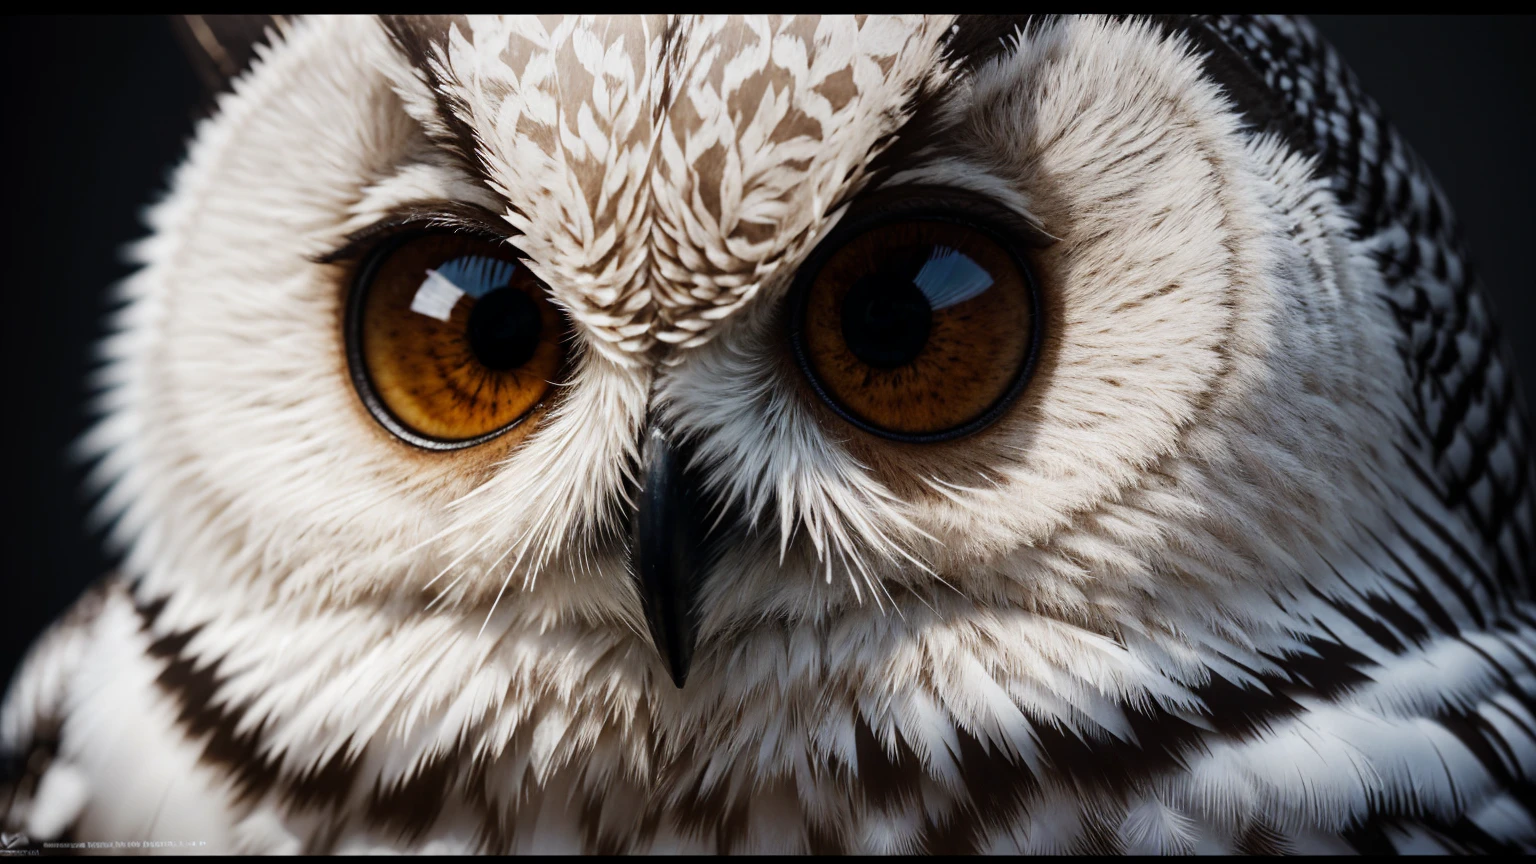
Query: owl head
(751,353)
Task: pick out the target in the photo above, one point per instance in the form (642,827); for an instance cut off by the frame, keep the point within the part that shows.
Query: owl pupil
(503,329)
(886,319)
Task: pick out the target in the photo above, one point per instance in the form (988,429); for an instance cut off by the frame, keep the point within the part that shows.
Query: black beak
(666,553)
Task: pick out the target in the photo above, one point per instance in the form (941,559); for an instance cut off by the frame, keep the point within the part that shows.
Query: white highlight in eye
(436,297)
(478,275)
(950,277)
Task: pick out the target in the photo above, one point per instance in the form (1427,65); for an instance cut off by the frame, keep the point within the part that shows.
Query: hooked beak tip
(665,551)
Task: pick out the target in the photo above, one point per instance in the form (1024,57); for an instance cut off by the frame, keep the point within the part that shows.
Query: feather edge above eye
(451,215)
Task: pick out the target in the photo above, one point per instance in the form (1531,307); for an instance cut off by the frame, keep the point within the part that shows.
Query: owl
(795,434)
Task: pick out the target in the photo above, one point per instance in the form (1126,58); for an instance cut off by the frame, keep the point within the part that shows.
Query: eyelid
(451,215)
(891,200)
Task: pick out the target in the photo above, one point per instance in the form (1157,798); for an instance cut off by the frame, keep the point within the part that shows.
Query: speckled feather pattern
(1245,570)
(658,171)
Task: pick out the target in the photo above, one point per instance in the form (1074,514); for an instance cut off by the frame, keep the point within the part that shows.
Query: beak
(666,553)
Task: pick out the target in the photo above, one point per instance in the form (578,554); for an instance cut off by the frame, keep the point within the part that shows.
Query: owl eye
(451,340)
(916,325)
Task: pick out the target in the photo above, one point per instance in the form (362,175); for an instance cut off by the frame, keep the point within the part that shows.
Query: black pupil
(886,317)
(503,328)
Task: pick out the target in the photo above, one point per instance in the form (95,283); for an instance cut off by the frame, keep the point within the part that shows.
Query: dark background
(97,110)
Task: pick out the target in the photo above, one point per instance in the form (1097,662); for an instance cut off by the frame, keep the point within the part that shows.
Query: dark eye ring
(918,322)
(450,340)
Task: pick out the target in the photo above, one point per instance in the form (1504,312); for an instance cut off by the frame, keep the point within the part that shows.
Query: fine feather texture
(1220,581)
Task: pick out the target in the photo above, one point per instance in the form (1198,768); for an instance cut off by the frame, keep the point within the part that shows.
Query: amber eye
(916,326)
(451,340)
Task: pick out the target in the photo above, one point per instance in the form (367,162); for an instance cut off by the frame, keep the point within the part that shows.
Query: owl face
(727,337)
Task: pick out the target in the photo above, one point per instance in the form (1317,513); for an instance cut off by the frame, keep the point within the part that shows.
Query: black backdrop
(98,109)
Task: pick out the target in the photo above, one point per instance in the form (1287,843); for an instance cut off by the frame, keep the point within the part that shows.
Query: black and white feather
(1246,568)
